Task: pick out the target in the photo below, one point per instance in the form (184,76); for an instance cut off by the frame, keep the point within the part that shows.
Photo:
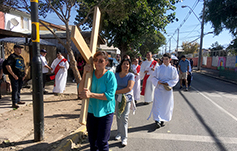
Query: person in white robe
(147,68)
(60,66)
(167,76)
(136,88)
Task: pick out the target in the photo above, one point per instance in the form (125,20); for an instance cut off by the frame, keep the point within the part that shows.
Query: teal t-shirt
(107,84)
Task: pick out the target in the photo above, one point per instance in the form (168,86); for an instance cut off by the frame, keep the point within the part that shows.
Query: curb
(76,137)
(219,78)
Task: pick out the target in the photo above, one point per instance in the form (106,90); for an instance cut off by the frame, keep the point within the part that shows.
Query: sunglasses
(98,60)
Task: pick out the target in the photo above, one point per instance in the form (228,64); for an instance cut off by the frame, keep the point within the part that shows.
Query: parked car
(113,63)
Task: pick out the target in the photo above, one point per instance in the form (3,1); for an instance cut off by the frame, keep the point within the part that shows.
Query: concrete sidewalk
(212,73)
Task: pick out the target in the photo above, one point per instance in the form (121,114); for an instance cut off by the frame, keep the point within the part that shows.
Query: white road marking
(181,137)
(214,95)
(222,109)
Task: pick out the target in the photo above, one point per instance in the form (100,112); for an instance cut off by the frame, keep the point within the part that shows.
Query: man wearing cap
(16,68)
(45,67)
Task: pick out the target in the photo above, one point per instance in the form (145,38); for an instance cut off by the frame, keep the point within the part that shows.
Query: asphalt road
(204,119)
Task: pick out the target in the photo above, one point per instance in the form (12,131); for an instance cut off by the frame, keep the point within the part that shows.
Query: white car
(113,63)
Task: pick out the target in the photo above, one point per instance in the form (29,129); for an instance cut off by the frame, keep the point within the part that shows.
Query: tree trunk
(123,50)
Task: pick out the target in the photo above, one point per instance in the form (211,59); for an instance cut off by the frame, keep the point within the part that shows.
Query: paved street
(204,119)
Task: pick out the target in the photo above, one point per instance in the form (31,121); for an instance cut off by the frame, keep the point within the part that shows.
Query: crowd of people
(112,93)
(118,93)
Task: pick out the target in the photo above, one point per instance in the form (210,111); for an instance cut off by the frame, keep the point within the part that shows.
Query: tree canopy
(190,47)
(152,43)
(125,23)
(222,14)
(216,48)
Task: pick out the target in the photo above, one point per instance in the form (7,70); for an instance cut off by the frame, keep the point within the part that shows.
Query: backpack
(4,63)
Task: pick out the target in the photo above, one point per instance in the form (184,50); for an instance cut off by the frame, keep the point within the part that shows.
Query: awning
(21,41)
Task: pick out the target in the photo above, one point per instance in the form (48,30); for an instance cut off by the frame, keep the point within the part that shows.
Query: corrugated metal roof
(20,41)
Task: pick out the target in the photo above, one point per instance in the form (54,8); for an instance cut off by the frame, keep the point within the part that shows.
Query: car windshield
(113,61)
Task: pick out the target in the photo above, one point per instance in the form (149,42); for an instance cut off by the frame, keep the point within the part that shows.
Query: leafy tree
(232,48)
(126,22)
(215,47)
(133,54)
(222,14)
(152,43)
(190,47)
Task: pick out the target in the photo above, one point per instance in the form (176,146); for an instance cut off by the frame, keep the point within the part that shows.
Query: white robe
(149,91)
(61,76)
(162,108)
(137,85)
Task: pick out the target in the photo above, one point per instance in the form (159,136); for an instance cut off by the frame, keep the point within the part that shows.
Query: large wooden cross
(87,55)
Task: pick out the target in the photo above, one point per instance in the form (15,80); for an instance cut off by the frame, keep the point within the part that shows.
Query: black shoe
(46,92)
(145,103)
(15,106)
(20,102)
(180,87)
(157,124)
(135,101)
(162,123)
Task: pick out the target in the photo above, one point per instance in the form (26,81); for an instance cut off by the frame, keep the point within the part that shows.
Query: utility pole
(201,38)
(177,41)
(37,78)
(165,47)
(170,46)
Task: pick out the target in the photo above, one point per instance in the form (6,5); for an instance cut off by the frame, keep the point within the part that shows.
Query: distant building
(112,51)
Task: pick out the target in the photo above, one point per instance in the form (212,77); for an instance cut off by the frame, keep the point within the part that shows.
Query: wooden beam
(95,30)
(80,44)
(87,55)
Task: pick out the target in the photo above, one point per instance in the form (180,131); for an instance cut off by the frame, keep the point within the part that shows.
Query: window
(26,23)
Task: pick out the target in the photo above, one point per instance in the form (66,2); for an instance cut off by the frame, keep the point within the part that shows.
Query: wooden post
(87,55)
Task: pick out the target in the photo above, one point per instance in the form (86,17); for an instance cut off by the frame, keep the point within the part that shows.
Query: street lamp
(192,11)
(201,37)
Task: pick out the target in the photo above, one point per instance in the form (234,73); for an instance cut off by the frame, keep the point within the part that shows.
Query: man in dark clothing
(16,68)
(191,63)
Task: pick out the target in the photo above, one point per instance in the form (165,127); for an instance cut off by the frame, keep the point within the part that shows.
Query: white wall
(21,19)
(230,61)
(204,60)
(215,61)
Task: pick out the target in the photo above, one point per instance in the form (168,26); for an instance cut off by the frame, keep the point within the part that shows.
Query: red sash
(146,77)
(138,69)
(57,69)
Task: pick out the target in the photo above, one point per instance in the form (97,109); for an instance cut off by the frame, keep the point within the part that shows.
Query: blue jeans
(16,89)
(99,131)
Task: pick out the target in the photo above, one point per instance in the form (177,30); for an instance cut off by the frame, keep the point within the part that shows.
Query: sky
(189,31)
(191,28)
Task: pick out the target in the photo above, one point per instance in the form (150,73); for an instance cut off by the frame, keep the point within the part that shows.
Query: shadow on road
(208,129)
